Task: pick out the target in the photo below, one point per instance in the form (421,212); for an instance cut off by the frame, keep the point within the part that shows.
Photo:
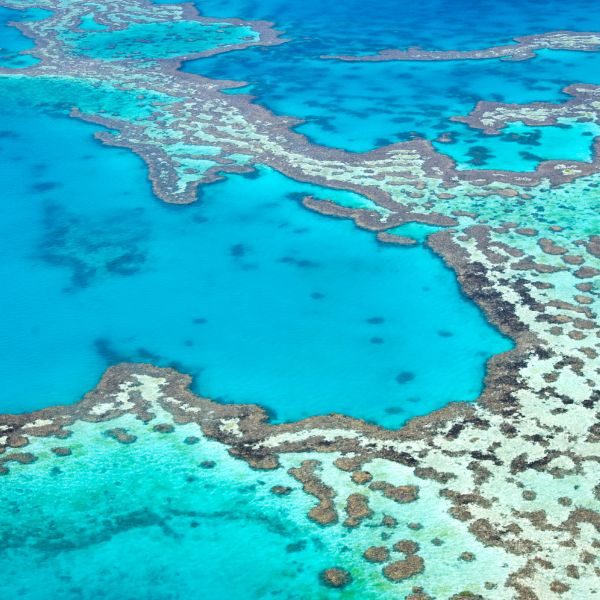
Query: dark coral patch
(237,250)
(404,377)
(44,186)
(335,577)
(375,320)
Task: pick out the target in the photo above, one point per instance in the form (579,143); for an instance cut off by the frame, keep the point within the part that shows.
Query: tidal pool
(258,298)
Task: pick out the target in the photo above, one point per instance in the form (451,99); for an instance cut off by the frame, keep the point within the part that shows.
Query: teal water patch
(520,147)
(89,23)
(416,231)
(157,519)
(243,89)
(94,97)
(13,42)
(158,40)
(258,298)
(344,198)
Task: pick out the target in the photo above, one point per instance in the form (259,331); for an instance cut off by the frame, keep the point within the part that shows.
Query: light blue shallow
(519,147)
(148,40)
(147,521)
(260,299)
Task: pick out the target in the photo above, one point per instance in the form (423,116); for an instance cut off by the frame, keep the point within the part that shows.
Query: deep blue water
(364,106)
(12,41)
(260,299)
(437,24)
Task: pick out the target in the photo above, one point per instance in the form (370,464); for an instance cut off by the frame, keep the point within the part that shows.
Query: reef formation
(518,470)
(524,48)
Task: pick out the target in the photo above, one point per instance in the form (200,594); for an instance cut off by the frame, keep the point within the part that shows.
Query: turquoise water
(417,231)
(89,23)
(13,42)
(162,519)
(56,94)
(260,299)
(123,531)
(150,40)
(521,148)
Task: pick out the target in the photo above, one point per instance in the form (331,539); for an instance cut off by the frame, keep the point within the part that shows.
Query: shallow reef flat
(141,464)
(160,39)
(523,48)
(496,499)
(139,473)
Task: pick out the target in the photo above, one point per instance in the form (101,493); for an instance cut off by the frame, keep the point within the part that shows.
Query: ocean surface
(361,106)
(13,44)
(256,297)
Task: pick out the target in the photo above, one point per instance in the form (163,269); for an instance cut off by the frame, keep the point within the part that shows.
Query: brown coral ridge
(407,547)
(335,577)
(524,48)
(357,509)
(376,554)
(403,494)
(324,513)
(400,570)
(410,565)
(379,222)
(491,117)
